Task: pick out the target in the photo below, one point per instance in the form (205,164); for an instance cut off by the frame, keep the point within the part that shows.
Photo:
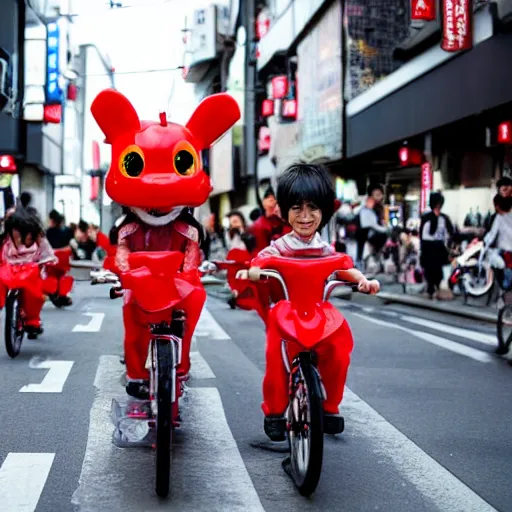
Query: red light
(403,154)
(7,164)
(423,10)
(505,132)
(267,108)
(290,109)
(279,86)
(52,114)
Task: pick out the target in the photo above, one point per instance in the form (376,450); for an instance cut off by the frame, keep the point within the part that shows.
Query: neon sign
(53,90)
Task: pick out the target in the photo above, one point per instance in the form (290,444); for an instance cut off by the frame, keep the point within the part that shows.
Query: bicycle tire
(165,367)
(13,327)
(503,344)
(307,481)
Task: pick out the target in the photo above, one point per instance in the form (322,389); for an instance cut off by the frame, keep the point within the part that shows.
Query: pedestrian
(369,228)
(57,234)
(435,231)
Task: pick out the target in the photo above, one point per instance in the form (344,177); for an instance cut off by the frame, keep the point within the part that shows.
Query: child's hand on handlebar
(371,287)
(242,275)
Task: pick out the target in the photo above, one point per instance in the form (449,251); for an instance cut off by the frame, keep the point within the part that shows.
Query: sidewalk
(476,309)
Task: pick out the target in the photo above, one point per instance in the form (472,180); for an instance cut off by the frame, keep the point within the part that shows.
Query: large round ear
(213,117)
(114,114)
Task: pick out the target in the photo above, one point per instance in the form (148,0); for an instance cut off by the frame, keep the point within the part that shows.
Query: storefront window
(374,28)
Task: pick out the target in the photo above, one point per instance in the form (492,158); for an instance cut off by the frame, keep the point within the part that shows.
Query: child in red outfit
(25,243)
(306,198)
(177,235)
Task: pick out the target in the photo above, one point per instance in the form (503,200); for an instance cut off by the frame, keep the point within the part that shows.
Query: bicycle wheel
(305,417)
(504,327)
(164,392)
(13,324)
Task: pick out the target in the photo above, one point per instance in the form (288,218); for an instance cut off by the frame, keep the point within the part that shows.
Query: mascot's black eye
(184,163)
(133,164)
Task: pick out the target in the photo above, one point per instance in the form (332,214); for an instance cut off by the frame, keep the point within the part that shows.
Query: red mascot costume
(157,172)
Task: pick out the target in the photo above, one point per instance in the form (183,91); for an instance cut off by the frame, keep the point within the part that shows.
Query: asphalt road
(427,413)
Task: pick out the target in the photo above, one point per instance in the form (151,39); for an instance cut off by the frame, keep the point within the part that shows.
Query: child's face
(505,191)
(305,219)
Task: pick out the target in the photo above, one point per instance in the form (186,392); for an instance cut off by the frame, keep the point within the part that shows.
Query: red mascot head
(156,167)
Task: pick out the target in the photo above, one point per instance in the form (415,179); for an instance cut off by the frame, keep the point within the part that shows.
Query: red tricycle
(58,284)
(18,282)
(156,286)
(304,321)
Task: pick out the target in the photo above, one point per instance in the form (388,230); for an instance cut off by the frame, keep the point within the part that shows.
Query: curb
(433,306)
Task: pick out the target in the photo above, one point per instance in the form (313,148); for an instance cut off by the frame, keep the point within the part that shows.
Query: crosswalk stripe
(480,337)
(22,480)
(458,348)
(206,460)
(208,326)
(435,482)
(200,369)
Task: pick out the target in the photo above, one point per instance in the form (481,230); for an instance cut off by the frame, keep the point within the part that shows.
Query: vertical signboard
(53,89)
(457,25)
(320,108)
(426,185)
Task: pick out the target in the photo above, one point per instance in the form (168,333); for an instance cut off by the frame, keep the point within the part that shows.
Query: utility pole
(251,81)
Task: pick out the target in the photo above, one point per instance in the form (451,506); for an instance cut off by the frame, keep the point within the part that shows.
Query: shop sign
(279,87)
(264,140)
(457,26)
(426,185)
(289,109)
(7,164)
(505,133)
(423,10)
(52,114)
(262,24)
(53,89)
(267,108)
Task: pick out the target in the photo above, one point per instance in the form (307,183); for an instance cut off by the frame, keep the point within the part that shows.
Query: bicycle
(151,272)
(18,279)
(300,321)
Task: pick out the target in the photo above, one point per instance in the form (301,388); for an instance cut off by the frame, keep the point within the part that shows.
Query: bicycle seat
(165,263)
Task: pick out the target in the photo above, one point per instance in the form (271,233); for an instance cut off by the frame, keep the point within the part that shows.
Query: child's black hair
(303,183)
(503,203)
(27,224)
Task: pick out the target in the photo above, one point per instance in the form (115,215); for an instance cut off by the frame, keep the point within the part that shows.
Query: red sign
(279,86)
(290,109)
(505,133)
(264,139)
(262,24)
(457,25)
(426,185)
(52,114)
(267,108)
(7,164)
(423,10)
(410,156)
(95,155)
(72,92)
(95,188)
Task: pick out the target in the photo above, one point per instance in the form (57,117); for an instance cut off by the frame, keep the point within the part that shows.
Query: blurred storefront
(403,90)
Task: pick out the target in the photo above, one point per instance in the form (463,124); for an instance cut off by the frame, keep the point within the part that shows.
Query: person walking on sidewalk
(435,231)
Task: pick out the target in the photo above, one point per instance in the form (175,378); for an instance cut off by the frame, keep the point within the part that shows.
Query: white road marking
(123,479)
(458,348)
(437,484)
(22,479)
(93,326)
(480,337)
(209,327)
(54,380)
(200,369)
